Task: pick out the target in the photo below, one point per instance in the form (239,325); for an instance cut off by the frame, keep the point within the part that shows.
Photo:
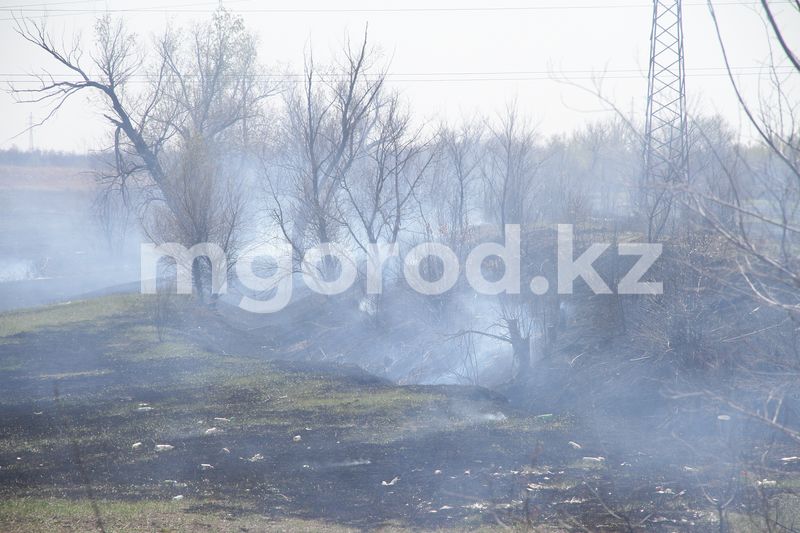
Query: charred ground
(84,381)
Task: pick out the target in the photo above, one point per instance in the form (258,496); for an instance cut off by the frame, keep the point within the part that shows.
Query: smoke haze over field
(448,59)
(530,269)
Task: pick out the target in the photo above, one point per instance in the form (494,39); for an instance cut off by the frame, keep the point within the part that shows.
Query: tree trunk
(521,346)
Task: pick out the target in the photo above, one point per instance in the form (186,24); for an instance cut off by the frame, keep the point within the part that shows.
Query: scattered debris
(179,497)
(164,447)
(136,445)
(575,445)
(213,431)
(690,469)
(356,462)
(297,438)
(724,418)
(466,472)
(206,466)
(494,417)
(594,459)
(144,408)
(792,459)
(390,483)
(437,472)
(767,483)
(37,413)
(225,450)
(547,415)
(256,458)
(221,419)
(478,506)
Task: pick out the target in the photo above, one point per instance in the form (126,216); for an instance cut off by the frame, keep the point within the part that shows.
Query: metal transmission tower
(665,130)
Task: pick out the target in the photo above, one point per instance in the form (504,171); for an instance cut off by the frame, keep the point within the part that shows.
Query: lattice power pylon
(665,130)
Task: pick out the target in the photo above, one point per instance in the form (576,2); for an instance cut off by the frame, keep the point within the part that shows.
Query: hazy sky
(450,59)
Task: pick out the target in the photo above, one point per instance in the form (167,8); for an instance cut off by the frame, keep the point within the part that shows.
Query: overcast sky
(450,59)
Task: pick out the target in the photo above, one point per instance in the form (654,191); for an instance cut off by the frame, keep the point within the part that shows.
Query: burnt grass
(83,382)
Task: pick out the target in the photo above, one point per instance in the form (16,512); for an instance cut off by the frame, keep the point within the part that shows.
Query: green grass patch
(30,515)
(59,315)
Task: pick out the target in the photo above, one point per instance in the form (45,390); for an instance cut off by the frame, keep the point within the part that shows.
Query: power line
(455,75)
(476,9)
(45,4)
(456,79)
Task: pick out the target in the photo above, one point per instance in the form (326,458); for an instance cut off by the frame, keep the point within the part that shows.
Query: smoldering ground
(589,410)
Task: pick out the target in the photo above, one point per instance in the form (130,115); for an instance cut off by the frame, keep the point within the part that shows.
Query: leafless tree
(193,116)
(327,125)
(767,233)
(743,210)
(515,326)
(380,192)
(455,184)
(510,171)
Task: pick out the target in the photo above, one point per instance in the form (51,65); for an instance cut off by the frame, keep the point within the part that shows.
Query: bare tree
(380,193)
(172,137)
(455,184)
(327,126)
(515,326)
(766,233)
(510,171)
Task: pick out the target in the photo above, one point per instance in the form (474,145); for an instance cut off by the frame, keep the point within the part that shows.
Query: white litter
(724,418)
(437,472)
(206,466)
(575,445)
(390,483)
(792,459)
(220,419)
(178,497)
(164,447)
(256,458)
(136,445)
(213,431)
(297,438)
(594,459)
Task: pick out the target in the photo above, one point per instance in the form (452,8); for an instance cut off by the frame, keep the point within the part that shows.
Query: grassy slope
(75,378)
(80,383)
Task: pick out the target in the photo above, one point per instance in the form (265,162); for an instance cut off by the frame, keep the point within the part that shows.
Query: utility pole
(665,157)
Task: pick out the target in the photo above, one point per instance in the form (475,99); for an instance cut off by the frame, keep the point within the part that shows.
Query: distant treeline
(15,156)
